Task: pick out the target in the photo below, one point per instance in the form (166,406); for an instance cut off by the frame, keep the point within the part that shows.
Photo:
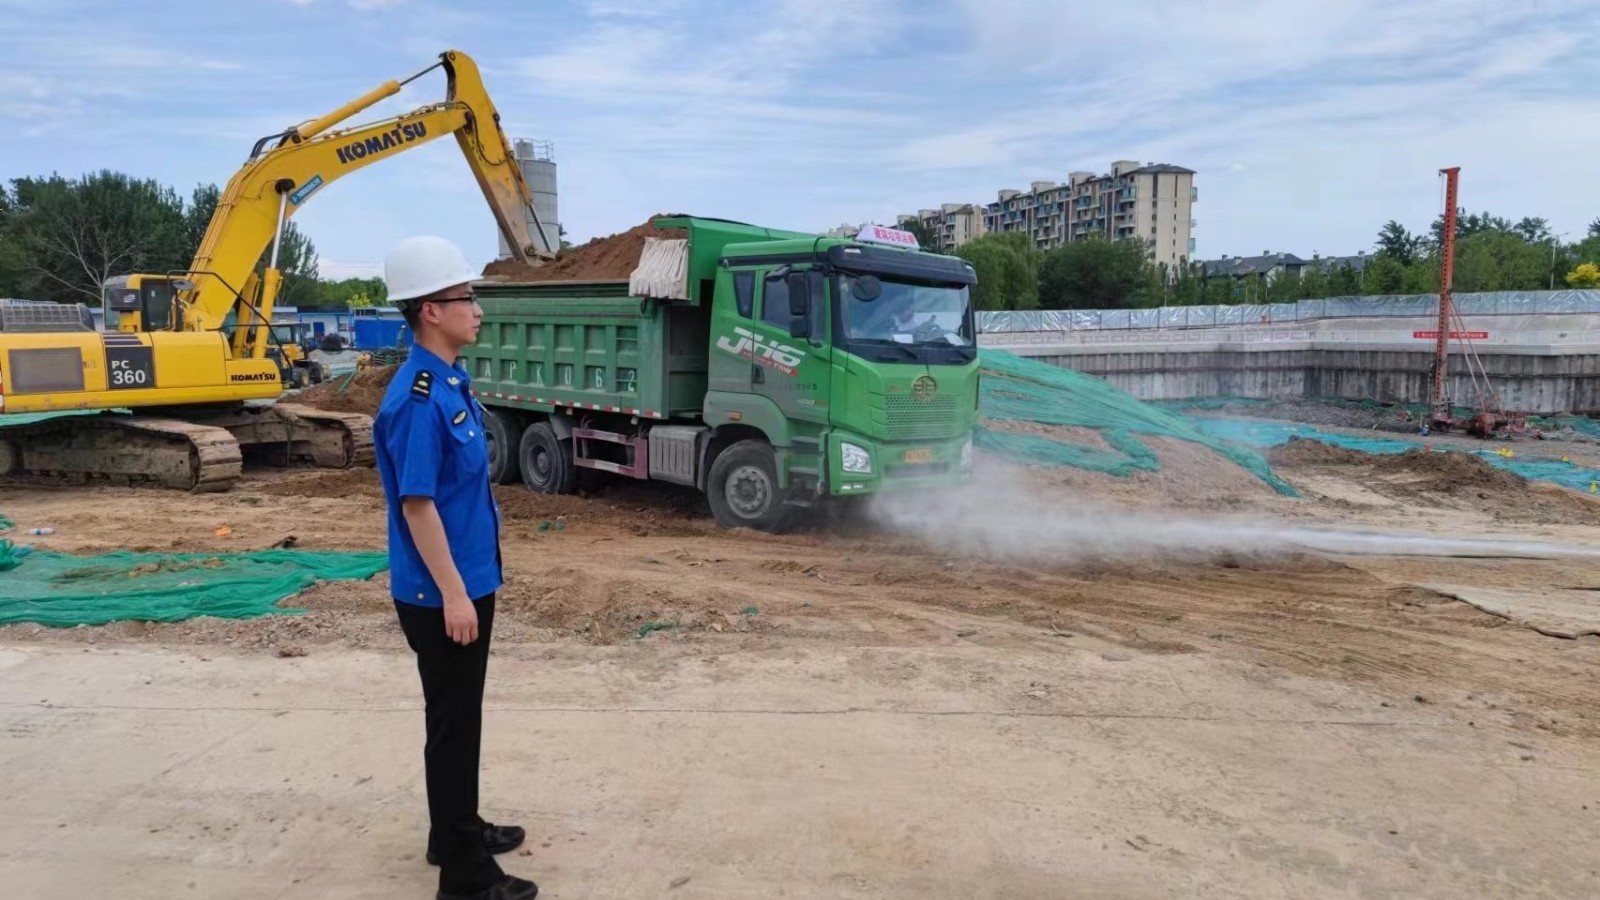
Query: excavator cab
(135,303)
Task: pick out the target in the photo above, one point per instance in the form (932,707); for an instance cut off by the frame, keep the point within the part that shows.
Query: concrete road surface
(736,771)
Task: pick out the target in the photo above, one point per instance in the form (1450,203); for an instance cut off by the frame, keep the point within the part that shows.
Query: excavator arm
(279,179)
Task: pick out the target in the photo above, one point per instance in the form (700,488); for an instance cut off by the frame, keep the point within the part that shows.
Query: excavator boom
(279,180)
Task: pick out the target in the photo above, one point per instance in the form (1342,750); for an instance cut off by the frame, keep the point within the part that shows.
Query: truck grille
(921,420)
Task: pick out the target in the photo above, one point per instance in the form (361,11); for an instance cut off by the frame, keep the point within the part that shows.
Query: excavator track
(140,451)
(202,452)
(330,440)
(288,434)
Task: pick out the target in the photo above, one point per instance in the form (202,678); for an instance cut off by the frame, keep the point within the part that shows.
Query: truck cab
(772,370)
(856,361)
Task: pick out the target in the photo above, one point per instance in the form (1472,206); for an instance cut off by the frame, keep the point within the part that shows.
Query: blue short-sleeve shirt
(430,442)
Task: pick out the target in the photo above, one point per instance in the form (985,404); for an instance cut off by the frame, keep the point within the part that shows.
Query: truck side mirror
(799,295)
(799,306)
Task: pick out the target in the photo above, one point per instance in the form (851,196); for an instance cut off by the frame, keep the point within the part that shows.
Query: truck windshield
(929,320)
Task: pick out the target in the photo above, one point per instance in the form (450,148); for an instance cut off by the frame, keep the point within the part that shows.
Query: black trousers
(452,689)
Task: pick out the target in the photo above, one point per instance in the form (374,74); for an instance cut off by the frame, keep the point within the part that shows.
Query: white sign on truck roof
(877,234)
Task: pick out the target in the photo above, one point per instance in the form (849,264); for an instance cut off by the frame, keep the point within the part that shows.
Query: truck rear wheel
(546,461)
(743,489)
(504,442)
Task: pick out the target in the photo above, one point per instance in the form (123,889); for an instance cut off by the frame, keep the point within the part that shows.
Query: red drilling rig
(1490,417)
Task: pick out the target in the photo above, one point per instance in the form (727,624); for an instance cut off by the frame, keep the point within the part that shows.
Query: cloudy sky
(1310,123)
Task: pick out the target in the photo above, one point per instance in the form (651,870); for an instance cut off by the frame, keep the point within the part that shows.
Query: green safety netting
(1025,390)
(61,590)
(1580,424)
(1272,434)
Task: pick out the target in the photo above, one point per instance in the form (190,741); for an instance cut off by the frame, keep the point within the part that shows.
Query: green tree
(1099,274)
(1313,283)
(1500,261)
(1469,224)
(1386,274)
(1422,276)
(1344,282)
(1587,250)
(1397,242)
(351,292)
(1285,288)
(927,237)
(1250,288)
(1586,275)
(76,234)
(1220,290)
(13,258)
(1008,271)
(1188,289)
(197,215)
(1534,230)
(297,260)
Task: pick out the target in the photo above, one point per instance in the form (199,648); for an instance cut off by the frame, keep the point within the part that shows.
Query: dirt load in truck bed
(611,258)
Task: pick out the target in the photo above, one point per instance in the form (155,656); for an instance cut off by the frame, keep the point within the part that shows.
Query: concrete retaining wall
(1539,379)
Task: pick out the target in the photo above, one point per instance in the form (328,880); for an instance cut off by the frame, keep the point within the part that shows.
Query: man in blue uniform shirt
(444,555)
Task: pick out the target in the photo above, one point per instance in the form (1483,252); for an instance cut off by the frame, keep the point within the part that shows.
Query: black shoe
(497,839)
(508,888)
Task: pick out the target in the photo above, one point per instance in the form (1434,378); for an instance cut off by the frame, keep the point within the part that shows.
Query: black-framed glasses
(467,299)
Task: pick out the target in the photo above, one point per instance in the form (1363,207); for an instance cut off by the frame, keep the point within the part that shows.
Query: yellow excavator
(174,392)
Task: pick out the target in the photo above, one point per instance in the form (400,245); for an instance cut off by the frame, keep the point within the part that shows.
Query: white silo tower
(538,162)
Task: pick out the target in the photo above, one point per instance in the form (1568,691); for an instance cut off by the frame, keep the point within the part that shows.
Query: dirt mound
(328,483)
(357,393)
(1452,473)
(641,508)
(1301,451)
(611,258)
(1191,475)
(607,608)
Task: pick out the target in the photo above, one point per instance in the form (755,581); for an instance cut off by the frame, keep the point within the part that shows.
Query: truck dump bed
(589,345)
(598,344)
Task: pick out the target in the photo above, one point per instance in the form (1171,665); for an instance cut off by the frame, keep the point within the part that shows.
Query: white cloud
(1347,109)
(1310,123)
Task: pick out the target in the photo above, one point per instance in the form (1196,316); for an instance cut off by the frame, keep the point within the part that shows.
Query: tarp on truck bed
(663,270)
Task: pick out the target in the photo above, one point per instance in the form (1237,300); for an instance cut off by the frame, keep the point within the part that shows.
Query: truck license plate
(919,456)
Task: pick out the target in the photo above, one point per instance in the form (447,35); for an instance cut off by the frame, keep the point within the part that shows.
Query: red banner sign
(1454,335)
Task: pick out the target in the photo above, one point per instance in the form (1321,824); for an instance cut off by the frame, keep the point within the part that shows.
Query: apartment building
(951,225)
(1270,265)
(845,231)
(1151,201)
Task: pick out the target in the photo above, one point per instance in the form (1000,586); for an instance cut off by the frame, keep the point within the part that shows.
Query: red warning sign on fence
(1454,335)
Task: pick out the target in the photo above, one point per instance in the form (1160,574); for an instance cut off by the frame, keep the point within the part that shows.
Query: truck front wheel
(546,461)
(504,442)
(743,489)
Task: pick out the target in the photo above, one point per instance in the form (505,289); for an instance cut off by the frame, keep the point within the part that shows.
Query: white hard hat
(419,266)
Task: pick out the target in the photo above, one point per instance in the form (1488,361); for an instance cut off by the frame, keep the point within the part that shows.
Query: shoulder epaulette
(422,385)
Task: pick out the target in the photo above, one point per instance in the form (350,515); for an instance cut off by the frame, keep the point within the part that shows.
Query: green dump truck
(771,370)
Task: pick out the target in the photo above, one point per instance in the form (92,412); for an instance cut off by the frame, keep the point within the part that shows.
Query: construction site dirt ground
(1159,687)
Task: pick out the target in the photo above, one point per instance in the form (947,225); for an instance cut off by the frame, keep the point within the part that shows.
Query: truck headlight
(855,459)
(966,454)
